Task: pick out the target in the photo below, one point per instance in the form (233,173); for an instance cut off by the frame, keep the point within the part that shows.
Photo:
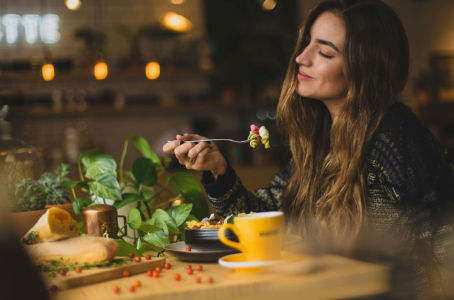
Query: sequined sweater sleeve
(228,195)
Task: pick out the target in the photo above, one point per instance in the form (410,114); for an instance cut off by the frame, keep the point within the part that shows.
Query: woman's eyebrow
(328,43)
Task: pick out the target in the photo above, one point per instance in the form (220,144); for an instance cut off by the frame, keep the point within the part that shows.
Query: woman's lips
(303,76)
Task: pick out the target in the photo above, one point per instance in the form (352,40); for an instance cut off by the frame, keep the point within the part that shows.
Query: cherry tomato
(78,270)
(137,259)
(188,249)
(53,288)
(150,273)
(199,268)
(210,280)
(167,266)
(131,255)
(158,269)
(148,257)
(116,290)
(63,272)
(138,284)
(198,280)
(189,271)
(188,267)
(177,277)
(132,289)
(155,274)
(125,274)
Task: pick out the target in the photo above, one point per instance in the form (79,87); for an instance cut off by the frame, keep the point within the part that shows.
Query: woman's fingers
(181,152)
(188,153)
(194,151)
(198,162)
(170,147)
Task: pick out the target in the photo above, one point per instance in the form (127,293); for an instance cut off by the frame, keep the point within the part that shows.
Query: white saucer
(238,263)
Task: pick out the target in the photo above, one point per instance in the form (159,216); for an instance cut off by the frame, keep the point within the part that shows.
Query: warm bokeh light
(269,4)
(48,72)
(73,4)
(101,70)
(152,70)
(176,22)
(177,1)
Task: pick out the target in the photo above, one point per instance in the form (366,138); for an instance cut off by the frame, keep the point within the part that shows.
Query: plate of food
(203,235)
(181,251)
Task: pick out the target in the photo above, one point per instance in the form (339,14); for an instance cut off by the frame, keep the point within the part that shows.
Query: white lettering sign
(49,29)
(30,23)
(11,22)
(47,24)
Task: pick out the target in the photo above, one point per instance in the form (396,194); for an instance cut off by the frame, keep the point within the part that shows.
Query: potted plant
(53,185)
(150,187)
(26,201)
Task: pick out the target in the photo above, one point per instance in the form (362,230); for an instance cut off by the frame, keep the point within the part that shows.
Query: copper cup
(101,220)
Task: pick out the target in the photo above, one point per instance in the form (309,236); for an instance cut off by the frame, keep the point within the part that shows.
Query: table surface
(333,277)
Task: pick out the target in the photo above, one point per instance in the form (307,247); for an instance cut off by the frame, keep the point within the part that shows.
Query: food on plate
(206,223)
(54,225)
(227,220)
(84,249)
(259,135)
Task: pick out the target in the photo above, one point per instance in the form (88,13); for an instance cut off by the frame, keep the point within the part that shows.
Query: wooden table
(336,277)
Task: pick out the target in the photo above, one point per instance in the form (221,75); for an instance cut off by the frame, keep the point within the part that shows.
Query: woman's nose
(304,58)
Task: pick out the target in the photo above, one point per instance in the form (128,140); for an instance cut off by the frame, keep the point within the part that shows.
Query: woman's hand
(203,156)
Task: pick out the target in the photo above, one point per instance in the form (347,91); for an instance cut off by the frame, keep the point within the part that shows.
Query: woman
(363,164)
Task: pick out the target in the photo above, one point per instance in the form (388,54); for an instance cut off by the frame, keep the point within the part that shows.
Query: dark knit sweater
(410,200)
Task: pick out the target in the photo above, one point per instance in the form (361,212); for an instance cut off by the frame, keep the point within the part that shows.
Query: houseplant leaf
(106,186)
(180,181)
(147,228)
(127,199)
(78,204)
(144,147)
(180,212)
(88,156)
(144,171)
(146,248)
(101,164)
(70,184)
(126,248)
(163,220)
(200,206)
(134,218)
(158,238)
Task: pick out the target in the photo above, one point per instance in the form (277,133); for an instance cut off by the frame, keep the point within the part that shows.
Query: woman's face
(320,64)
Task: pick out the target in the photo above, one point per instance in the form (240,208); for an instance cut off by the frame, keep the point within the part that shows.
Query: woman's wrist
(220,170)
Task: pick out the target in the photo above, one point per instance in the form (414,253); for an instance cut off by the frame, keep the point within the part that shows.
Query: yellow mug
(260,235)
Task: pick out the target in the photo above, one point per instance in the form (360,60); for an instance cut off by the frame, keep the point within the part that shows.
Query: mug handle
(221,234)
(124,223)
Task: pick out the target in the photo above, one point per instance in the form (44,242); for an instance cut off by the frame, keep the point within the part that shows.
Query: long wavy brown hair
(327,186)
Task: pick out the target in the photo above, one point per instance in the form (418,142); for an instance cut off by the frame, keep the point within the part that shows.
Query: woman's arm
(411,189)
(228,195)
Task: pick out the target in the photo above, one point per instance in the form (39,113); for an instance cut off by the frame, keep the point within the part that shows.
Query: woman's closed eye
(324,55)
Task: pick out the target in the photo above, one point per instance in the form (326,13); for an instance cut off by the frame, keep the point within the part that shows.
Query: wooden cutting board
(92,276)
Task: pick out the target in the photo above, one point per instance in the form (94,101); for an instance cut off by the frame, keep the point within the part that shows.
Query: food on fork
(259,135)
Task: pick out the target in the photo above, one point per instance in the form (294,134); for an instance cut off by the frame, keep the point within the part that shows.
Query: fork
(214,140)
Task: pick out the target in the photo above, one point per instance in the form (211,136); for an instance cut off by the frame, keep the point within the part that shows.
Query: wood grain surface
(92,276)
(334,277)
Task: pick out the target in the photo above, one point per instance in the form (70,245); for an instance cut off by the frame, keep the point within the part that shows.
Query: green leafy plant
(28,195)
(154,219)
(53,185)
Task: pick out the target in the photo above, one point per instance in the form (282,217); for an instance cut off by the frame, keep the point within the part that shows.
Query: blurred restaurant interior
(80,75)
